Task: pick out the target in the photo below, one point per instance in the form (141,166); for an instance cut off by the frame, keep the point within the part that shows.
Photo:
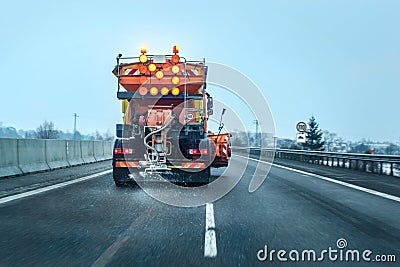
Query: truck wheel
(121,177)
(204,177)
(119,184)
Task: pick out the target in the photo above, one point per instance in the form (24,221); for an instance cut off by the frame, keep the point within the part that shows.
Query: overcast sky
(336,60)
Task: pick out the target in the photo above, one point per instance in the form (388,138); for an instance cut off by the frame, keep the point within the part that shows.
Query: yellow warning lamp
(154,90)
(175,69)
(175,80)
(152,67)
(159,74)
(143,58)
(164,90)
(142,90)
(175,91)
(175,49)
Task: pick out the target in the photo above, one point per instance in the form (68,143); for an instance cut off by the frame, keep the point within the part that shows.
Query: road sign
(301,127)
(301,138)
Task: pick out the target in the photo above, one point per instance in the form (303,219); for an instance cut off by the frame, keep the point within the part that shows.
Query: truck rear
(165,110)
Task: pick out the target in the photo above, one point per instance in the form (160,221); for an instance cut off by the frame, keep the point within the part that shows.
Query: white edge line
(210,240)
(360,188)
(51,187)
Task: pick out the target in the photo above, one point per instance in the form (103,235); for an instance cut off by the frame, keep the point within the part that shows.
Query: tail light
(123,151)
(195,151)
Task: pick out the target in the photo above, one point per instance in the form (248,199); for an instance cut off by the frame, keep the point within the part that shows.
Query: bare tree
(46,131)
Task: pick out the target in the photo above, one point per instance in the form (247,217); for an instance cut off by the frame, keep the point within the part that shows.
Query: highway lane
(95,223)
(297,211)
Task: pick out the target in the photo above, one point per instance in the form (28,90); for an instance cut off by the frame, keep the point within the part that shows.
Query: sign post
(301,127)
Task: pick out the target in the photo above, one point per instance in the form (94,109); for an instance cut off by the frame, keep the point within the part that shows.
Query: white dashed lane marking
(210,239)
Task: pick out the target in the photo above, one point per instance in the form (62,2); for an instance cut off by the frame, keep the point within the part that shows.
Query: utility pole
(75,116)
(257,137)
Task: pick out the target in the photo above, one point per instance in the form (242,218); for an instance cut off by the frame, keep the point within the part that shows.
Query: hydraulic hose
(154,132)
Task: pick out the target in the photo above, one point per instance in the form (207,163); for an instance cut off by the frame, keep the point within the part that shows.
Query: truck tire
(119,184)
(203,177)
(121,177)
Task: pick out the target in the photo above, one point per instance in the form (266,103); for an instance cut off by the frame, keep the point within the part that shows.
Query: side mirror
(124,130)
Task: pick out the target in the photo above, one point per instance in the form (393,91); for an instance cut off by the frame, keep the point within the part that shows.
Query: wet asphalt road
(94,223)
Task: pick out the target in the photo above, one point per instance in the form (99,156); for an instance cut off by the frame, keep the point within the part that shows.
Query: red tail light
(195,151)
(123,151)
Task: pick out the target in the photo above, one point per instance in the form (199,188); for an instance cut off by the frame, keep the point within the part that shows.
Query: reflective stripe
(191,165)
(133,164)
(126,164)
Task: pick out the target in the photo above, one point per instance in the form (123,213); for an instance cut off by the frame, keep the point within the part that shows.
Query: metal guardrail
(381,164)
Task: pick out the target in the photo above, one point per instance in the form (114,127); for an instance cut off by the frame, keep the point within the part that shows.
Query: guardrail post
(391,168)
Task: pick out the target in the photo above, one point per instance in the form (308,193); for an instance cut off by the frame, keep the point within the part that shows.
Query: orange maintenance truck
(165,110)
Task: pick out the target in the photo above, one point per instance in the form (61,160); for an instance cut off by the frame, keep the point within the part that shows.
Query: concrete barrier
(56,153)
(87,148)
(108,149)
(20,156)
(9,157)
(74,152)
(32,155)
(98,148)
